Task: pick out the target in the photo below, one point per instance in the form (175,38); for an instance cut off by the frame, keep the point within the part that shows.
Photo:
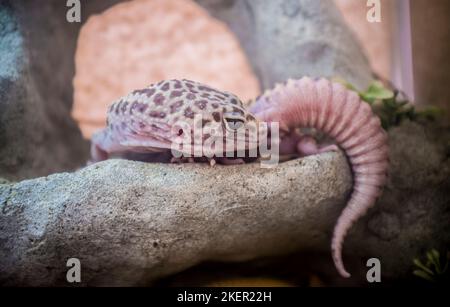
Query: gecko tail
(339,113)
(352,212)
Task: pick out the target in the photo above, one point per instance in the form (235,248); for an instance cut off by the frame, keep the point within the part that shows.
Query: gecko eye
(234,123)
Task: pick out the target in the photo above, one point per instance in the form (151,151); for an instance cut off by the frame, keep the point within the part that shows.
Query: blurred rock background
(135,43)
(113,56)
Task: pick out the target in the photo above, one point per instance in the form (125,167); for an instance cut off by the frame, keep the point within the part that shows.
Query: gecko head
(218,121)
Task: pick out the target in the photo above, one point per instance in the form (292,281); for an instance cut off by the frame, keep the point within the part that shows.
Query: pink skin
(339,113)
(145,123)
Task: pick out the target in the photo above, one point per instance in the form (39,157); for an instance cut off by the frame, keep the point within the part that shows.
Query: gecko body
(339,113)
(148,120)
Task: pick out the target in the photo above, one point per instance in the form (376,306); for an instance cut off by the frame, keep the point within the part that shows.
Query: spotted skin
(144,120)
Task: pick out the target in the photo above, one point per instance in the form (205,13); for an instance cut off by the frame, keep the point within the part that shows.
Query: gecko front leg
(308,145)
(293,143)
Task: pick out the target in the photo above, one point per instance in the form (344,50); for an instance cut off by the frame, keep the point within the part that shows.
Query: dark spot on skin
(189,85)
(134,107)
(159,99)
(139,107)
(187,81)
(204,122)
(149,92)
(190,96)
(159,83)
(219,96)
(124,106)
(142,125)
(174,107)
(238,111)
(201,104)
(177,84)
(123,125)
(249,117)
(216,116)
(193,91)
(157,114)
(205,95)
(189,113)
(166,87)
(234,101)
(205,88)
(142,107)
(215,105)
(175,94)
(118,107)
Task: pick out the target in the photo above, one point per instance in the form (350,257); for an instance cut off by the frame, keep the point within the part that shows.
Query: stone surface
(130,223)
(293,38)
(36,135)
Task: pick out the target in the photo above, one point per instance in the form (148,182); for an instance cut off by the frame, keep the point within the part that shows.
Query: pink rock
(136,43)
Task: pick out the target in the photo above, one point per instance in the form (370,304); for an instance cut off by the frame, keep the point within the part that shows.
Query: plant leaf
(345,83)
(423,275)
(375,91)
(419,264)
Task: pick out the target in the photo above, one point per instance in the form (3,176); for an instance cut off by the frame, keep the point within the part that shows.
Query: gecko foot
(228,161)
(97,154)
(182,160)
(307,146)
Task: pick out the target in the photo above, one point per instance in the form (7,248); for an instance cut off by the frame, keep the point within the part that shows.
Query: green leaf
(430,112)
(376,91)
(433,261)
(345,83)
(419,264)
(423,275)
(391,108)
